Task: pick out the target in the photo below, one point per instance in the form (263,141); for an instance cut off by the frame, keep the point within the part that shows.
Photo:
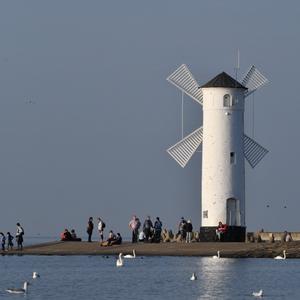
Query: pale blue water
(97,277)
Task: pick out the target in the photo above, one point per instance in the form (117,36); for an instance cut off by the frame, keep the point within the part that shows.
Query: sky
(86,113)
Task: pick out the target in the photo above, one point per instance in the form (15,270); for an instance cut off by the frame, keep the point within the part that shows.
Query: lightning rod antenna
(237,64)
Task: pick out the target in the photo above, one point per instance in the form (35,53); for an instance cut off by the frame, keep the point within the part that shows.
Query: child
(2,238)
(10,243)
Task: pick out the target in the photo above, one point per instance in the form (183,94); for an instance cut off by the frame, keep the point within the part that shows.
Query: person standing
(3,239)
(134,226)
(19,236)
(147,228)
(10,243)
(189,230)
(157,230)
(101,226)
(89,229)
(182,229)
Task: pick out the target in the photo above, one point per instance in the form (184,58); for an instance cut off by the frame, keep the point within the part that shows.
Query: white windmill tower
(225,145)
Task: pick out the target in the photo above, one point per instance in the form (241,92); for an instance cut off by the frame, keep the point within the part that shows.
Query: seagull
(129,255)
(281,257)
(35,275)
(120,262)
(194,277)
(19,290)
(217,256)
(258,294)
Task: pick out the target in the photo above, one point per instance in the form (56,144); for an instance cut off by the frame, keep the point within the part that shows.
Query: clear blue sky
(86,113)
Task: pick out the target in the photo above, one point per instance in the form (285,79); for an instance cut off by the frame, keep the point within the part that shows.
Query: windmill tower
(225,147)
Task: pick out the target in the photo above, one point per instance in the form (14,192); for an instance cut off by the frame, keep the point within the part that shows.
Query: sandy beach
(230,250)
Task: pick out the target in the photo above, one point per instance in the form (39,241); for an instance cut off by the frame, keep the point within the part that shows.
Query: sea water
(97,277)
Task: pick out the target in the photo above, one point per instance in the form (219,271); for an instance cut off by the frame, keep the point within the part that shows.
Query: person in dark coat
(10,243)
(189,230)
(182,229)
(89,229)
(147,228)
(157,230)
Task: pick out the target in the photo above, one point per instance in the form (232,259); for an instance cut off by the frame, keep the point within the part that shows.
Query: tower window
(235,101)
(232,158)
(205,214)
(229,101)
(226,100)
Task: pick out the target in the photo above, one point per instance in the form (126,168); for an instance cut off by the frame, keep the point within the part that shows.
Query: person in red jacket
(221,229)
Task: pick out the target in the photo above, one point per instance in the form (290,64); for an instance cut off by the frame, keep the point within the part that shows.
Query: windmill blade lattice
(253,152)
(183,79)
(253,80)
(184,149)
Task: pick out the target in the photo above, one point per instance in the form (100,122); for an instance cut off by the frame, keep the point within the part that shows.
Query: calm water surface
(97,277)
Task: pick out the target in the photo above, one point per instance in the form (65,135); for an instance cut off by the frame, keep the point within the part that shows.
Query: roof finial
(237,64)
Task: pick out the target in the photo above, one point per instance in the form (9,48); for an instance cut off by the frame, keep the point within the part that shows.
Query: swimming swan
(194,277)
(258,294)
(129,255)
(120,262)
(217,256)
(19,290)
(35,275)
(281,257)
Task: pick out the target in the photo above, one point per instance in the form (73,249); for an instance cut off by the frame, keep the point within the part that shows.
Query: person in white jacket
(101,226)
(19,236)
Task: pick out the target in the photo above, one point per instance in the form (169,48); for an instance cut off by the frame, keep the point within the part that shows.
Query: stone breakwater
(229,250)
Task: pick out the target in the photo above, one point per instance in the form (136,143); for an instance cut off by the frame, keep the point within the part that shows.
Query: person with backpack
(19,236)
(89,229)
(101,226)
(3,239)
(10,243)
(157,230)
(147,228)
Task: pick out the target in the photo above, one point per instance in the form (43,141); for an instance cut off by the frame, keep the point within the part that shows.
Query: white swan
(129,255)
(194,277)
(258,294)
(19,290)
(281,257)
(217,256)
(120,262)
(35,275)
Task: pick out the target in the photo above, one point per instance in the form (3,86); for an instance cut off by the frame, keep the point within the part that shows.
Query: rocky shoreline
(228,250)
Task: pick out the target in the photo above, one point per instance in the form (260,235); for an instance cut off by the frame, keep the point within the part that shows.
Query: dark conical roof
(223,80)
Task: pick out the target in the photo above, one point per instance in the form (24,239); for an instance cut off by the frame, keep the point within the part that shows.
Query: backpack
(103,225)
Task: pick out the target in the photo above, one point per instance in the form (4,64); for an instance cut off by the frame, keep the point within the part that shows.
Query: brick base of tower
(233,234)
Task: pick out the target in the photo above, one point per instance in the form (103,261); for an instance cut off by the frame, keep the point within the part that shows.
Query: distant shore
(229,250)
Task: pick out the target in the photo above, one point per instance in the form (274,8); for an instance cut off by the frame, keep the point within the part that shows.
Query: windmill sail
(183,79)
(253,80)
(184,149)
(253,152)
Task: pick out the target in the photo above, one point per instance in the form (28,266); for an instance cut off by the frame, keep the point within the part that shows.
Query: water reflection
(215,276)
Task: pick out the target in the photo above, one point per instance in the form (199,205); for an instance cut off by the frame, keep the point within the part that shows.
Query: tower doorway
(232,212)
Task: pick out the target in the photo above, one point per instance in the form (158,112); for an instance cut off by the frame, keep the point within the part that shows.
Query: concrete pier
(230,250)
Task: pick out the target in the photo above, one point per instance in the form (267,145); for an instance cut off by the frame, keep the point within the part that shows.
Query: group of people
(149,233)
(90,228)
(66,235)
(185,229)
(112,239)
(7,241)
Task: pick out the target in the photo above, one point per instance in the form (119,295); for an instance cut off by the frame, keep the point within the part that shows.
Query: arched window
(226,100)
